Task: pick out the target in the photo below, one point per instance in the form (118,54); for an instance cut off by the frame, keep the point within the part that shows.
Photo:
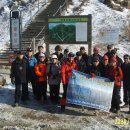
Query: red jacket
(114,73)
(40,71)
(66,69)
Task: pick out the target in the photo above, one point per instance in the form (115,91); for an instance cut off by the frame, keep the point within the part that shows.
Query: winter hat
(96,49)
(66,50)
(78,54)
(71,54)
(41,55)
(105,57)
(95,58)
(19,52)
(29,49)
(54,57)
(109,46)
(113,51)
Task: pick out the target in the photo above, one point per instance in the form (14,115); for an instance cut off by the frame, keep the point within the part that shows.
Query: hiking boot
(125,105)
(117,111)
(112,110)
(129,112)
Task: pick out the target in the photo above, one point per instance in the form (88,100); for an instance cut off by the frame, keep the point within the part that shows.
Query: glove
(92,75)
(13,80)
(112,79)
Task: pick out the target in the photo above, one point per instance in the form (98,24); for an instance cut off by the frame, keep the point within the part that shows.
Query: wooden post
(33,46)
(47,49)
(90,35)
(60,10)
(67,4)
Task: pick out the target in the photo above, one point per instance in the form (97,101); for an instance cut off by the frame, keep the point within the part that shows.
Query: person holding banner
(95,68)
(104,65)
(114,73)
(66,68)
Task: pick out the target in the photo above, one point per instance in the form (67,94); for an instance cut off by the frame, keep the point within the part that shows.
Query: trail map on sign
(68,29)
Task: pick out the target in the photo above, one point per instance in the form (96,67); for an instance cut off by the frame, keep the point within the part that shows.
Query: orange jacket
(114,73)
(66,69)
(40,71)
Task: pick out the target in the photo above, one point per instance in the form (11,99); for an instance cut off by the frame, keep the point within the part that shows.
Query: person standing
(109,48)
(58,53)
(85,57)
(95,54)
(95,68)
(114,73)
(40,50)
(18,77)
(41,80)
(80,62)
(54,78)
(30,62)
(104,65)
(66,69)
(126,81)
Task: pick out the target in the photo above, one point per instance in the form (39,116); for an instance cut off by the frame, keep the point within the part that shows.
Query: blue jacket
(30,66)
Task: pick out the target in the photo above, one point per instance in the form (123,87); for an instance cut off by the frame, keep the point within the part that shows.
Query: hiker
(104,65)
(41,80)
(66,70)
(114,54)
(18,77)
(95,54)
(109,48)
(126,81)
(30,62)
(95,68)
(66,52)
(40,50)
(80,62)
(54,78)
(84,54)
(114,73)
(58,53)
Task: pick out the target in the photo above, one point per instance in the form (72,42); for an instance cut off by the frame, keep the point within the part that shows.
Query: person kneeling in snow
(41,81)
(54,78)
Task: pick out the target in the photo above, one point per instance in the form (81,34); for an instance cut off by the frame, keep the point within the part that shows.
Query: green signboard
(69,29)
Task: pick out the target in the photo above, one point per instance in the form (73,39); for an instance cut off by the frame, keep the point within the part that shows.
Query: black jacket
(60,56)
(103,69)
(90,60)
(95,70)
(18,70)
(81,65)
(126,72)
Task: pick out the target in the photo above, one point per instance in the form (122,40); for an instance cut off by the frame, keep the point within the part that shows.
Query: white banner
(15,33)
(109,36)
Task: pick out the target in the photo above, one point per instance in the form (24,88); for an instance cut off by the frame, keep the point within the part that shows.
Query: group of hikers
(40,70)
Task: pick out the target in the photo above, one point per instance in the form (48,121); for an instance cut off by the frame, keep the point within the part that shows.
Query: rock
(2,80)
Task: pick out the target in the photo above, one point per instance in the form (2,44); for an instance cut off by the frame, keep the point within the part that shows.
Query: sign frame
(89,31)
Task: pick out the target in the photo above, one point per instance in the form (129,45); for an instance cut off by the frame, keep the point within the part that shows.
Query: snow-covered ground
(33,115)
